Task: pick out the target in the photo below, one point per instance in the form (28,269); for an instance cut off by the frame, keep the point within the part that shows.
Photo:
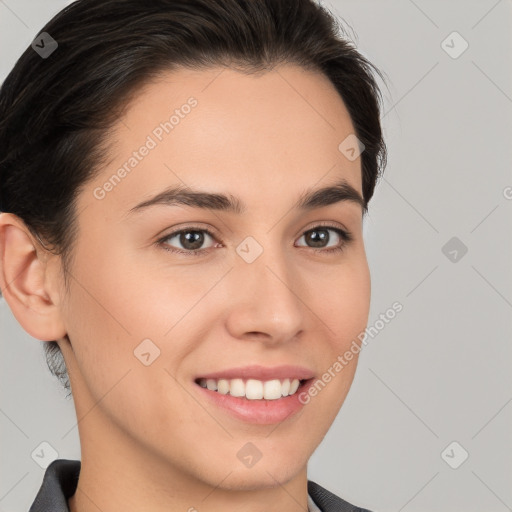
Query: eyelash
(346,237)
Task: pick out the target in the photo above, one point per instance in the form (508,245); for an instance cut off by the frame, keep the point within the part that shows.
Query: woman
(182,188)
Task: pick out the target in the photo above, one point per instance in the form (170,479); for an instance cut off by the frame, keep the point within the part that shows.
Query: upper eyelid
(213,231)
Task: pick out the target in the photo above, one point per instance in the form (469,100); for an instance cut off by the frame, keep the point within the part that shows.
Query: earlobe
(23,265)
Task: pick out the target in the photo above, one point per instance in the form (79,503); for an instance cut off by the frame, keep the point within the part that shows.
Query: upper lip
(261,373)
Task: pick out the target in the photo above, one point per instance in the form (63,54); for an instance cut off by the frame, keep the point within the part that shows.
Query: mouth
(252,406)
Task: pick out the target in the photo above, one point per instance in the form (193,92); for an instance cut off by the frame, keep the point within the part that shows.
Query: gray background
(440,370)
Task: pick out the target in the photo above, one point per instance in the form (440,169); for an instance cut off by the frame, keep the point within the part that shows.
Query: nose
(266,300)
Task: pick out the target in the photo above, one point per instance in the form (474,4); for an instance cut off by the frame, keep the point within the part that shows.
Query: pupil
(194,239)
(318,236)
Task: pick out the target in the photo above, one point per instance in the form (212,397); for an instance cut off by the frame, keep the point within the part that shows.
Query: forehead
(269,133)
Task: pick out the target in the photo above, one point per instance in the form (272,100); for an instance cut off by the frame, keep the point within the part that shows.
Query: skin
(149,441)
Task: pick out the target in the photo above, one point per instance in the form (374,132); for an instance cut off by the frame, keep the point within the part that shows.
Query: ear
(28,281)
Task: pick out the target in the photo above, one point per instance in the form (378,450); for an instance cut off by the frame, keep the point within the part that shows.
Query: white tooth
(254,389)
(285,390)
(237,387)
(294,386)
(211,384)
(223,386)
(272,389)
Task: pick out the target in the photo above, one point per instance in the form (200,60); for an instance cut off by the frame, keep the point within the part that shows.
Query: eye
(190,240)
(319,237)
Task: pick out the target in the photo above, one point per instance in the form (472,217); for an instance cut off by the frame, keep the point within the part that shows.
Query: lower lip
(261,412)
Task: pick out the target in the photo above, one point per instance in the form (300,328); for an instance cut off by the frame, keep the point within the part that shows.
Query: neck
(118,474)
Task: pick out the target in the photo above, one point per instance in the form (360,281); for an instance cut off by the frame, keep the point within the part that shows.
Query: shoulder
(59,483)
(329,502)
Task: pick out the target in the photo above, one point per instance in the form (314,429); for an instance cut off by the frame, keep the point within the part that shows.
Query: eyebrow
(308,200)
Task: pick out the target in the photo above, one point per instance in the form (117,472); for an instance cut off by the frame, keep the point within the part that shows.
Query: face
(149,311)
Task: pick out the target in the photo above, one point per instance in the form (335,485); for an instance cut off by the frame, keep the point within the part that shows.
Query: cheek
(341,305)
(107,334)
(120,299)
(107,318)
(355,297)
(343,308)
(117,312)
(343,300)
(345,311)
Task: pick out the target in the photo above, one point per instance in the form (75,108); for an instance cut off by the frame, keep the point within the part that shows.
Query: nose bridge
(266,299)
